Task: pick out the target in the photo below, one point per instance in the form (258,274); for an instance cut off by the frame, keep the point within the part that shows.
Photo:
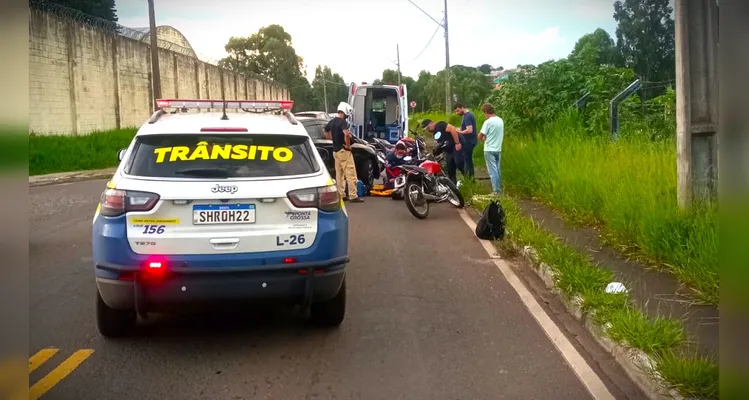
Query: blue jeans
(492,166)
(468,147)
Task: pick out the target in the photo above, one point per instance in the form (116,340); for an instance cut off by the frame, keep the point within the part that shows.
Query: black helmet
(425,123)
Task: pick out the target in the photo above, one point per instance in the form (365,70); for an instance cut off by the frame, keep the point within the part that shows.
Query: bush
(63,153)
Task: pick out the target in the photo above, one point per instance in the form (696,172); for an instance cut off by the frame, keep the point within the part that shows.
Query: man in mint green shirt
(492,133)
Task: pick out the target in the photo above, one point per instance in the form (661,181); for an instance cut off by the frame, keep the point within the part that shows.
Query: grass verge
(576,276)
(64,153)
(627,188)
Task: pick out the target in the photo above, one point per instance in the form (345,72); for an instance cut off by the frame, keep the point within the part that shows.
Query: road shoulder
(73,176)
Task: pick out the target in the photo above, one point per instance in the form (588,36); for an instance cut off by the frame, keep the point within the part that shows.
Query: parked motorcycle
(422,182)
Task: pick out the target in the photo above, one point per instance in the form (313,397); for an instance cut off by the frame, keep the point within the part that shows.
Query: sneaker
(357,200)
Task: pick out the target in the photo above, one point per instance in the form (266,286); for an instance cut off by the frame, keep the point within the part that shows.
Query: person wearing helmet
(451,142)
(345,169)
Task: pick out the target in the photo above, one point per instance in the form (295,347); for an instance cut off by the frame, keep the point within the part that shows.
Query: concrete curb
(636,364)
(65,177)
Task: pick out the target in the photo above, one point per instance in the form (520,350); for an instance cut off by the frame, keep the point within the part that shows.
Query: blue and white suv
(217,206)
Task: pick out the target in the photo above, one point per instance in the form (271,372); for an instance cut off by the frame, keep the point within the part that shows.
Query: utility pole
(155,72)
(448,97)
(325,91)
(398,52)
(697,111)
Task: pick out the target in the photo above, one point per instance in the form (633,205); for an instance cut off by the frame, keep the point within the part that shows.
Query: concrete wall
(83,80)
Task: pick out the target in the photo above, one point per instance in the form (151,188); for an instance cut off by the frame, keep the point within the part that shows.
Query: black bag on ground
(491,225)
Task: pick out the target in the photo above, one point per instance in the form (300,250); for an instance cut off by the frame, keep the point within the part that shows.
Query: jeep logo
(224,189)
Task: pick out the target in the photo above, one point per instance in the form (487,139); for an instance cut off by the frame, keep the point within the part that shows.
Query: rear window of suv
(216,155)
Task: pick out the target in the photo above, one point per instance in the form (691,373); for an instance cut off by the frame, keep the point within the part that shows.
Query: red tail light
(325,198)
(116,202)
(400,88)
(155,268)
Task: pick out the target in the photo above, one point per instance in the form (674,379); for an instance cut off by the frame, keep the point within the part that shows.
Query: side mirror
(121,154)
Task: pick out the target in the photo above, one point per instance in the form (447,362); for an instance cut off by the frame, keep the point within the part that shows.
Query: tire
(450,185)
(366,169)
(114,323)
(330,314)
(409,201)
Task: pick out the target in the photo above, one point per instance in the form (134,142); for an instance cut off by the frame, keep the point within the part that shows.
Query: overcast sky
(357,38)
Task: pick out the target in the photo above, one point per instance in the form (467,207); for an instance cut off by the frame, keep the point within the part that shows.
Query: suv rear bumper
(315,275)
(303,283)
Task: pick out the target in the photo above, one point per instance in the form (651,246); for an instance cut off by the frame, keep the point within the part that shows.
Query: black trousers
(455,162)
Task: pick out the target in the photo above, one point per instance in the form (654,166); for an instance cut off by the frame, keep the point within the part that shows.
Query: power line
(427,14)
(428,43)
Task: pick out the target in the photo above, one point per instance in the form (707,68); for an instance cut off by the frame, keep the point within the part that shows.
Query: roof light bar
(229,104)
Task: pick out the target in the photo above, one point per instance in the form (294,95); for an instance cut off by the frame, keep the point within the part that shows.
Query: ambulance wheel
(113,323)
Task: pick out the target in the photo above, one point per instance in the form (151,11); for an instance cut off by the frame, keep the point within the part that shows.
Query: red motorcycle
(422,182)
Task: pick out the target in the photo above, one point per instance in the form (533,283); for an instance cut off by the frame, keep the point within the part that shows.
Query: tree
(645,39)
(469,85)
(269,53)
(104,9)
(597,47)
(485,69)
(335,88)
(418,91)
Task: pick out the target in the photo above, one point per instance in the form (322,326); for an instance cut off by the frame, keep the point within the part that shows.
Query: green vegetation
(627,188)
(269,53)
(61,153)
(577,277)
(557,147)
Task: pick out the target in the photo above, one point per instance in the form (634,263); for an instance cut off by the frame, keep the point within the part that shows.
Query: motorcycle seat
(415,168)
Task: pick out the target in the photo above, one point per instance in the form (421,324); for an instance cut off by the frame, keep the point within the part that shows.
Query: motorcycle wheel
(455,197)
(411,190)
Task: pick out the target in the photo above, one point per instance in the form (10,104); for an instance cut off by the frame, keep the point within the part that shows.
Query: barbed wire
(109,27)
(114,28)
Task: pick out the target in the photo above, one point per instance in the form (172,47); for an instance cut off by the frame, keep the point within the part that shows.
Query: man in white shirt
(492,133)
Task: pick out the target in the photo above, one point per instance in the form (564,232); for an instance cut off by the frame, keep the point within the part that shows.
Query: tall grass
(627,187)
(63,153)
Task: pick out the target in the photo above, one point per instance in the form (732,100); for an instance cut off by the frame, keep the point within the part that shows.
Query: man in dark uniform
(345,169)
(451,142)
(469,131)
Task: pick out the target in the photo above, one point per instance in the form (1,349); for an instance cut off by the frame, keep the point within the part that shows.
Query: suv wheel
(330,313)
(111,322)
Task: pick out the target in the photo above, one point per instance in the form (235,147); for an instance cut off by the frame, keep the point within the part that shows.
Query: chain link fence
(654,118)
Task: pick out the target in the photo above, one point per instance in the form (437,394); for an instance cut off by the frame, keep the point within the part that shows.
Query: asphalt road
(429,317)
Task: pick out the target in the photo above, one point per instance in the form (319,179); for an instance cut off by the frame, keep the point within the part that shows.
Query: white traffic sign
(413,104)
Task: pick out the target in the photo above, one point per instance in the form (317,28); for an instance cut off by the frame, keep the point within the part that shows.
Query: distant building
(501,75)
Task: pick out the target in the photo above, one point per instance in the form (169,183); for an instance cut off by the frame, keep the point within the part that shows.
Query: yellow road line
(58,374)
(40,358)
